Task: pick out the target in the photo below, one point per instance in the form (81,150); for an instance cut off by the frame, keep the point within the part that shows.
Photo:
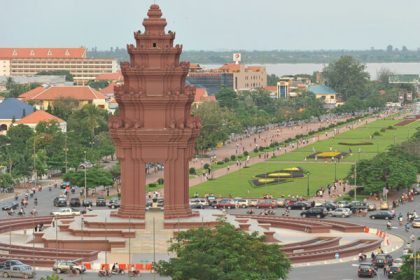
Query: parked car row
(16,269)
(62,201)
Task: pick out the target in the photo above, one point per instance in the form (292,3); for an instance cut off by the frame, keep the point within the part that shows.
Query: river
(309,68)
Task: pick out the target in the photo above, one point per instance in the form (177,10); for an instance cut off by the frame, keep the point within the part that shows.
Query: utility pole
(65,151)
(85,166)
(355,180)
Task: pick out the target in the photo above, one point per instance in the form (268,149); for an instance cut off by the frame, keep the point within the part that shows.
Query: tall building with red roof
(36,117)
(43,97)
(30,61)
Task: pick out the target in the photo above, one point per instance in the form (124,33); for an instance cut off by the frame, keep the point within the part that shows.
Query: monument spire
(155,122)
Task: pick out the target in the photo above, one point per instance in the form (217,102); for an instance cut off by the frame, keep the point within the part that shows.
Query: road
(339,271)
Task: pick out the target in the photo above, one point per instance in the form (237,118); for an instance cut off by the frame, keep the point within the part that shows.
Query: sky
(215,24)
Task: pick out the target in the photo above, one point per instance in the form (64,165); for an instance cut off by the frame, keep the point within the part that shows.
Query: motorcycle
(104,273)
(133,273)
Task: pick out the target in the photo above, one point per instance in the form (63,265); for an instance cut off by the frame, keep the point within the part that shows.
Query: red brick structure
(154,123)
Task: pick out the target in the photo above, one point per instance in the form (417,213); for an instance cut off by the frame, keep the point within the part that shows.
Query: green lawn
(321,171)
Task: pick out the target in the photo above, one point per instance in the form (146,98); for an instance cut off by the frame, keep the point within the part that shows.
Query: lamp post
(307,185)
(335,168)
(85,177)
(355,180)
(65,152)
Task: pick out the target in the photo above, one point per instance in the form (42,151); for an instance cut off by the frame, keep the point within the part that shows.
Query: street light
(85,166)
(355,180)
(335,168)
(307,185)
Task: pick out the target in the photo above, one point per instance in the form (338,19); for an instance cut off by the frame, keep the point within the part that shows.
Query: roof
(195,66)
(255,68)
(116,76)
(15,53)
(201,95)
(108,89)
(321,89)
(81,93)
(230,67)
(11,108)
(270,88)
(39,116)
(404,78)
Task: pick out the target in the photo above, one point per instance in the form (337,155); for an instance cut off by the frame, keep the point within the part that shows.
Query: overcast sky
(215,24)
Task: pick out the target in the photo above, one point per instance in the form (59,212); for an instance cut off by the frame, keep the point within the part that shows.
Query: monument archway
(155,122)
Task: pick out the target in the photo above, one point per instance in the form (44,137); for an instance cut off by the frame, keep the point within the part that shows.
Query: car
(87,203)
(398,262)
(60,202)
(384,205)
(341,212)
(100,201)
(225,204)
(329,205)
(382,259)
(318,212)
(64,185)
(66,212)
(75,202)
(7,264)
(385,215)
(343,204)
(114,203)
(366,270)
(241,203)
(266,203)
(198,203)
(393,270)
(86,164)
(281,202)
(356,206)
(371,206)
(416,223)
(417,190)
(252,202)
(9,206)
(212,200)
(62,266)
(301,205)
(17,271)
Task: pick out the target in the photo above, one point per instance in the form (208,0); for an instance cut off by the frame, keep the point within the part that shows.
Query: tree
(52,277)
(19,153)
(94,177)
(383,75)
(407,269)
(223,253)
(69,76)
(64,107)
(347,77)
(6,180)
(217,124)
(272,80)
(384,170)
(98,84)
(227,97)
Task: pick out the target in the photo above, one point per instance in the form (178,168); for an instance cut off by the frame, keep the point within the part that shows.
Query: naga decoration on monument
(154,122)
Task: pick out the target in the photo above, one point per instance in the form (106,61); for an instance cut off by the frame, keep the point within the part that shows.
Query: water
(309,68)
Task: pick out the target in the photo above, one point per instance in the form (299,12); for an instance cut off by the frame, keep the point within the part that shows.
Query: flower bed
(355,144)
(323,155)
(279,176)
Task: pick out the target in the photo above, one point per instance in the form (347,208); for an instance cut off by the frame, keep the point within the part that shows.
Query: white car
(241,203)
(198,203)
(416,223)
(341,212)
(252,202)
(66,212)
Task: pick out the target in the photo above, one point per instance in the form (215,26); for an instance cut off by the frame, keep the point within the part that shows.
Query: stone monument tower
(154,122)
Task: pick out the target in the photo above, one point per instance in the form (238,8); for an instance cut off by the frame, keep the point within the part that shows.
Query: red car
(225,204)
(267,203)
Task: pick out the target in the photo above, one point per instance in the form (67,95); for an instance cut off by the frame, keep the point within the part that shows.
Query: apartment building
(30,61)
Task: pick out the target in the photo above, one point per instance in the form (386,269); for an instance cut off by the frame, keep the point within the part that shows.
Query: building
(327,94)
(11,110)
(109,93)
(110,77)
(232,75)
(36,117)
(41,79)
(43,97)
(30,61)
(246,77)
(411,79)
(211,81)
(202,96)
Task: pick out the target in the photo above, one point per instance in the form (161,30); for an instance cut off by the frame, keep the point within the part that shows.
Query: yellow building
(43,97)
